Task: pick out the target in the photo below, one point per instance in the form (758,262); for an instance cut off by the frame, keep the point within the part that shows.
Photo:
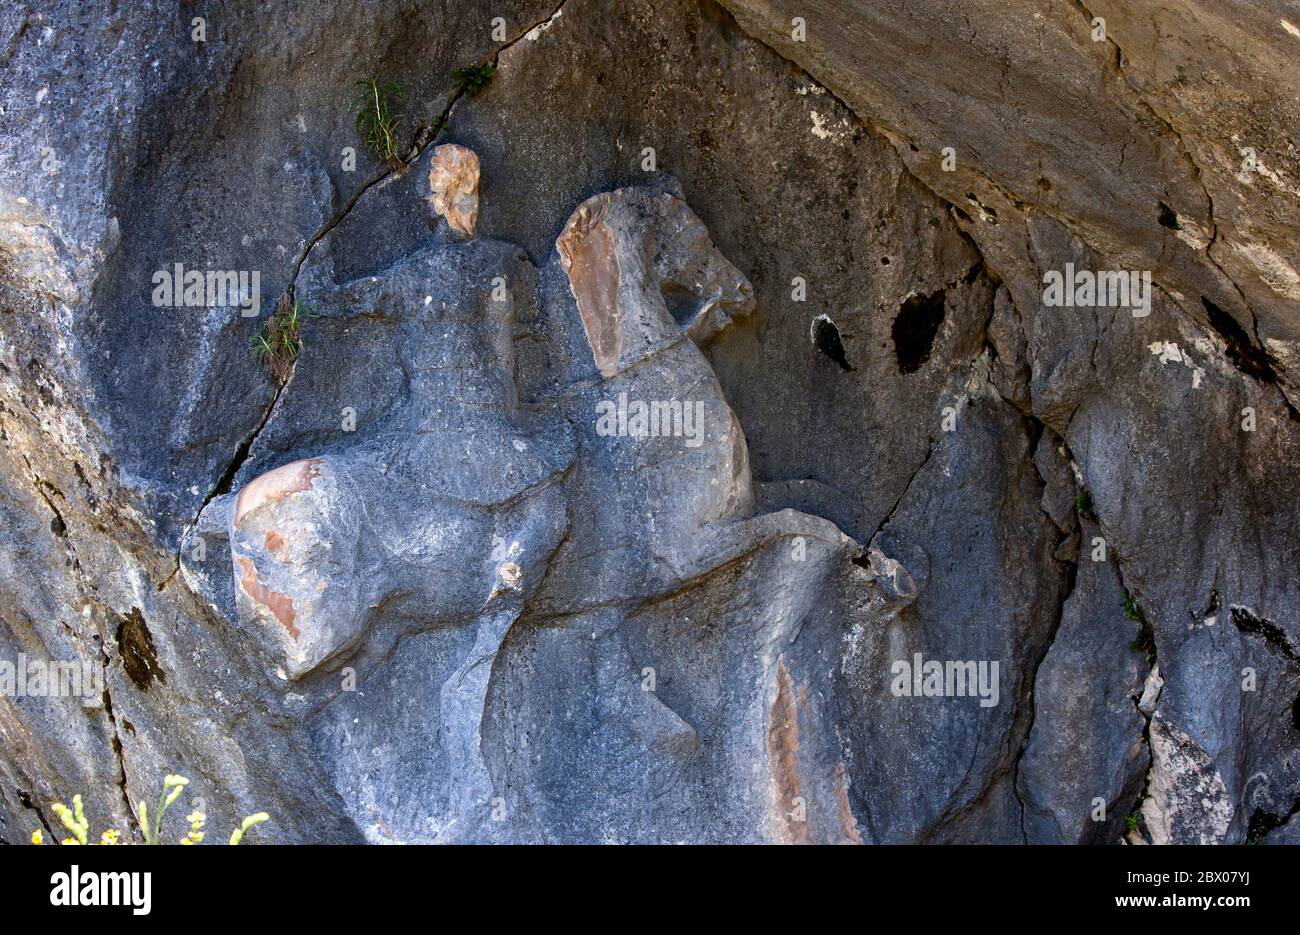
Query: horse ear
(588,252)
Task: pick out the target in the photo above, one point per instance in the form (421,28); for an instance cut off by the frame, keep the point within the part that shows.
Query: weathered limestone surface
(437,585)
(1102,130)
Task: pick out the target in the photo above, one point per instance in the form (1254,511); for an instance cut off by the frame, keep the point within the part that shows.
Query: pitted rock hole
(915,329)
(826,338)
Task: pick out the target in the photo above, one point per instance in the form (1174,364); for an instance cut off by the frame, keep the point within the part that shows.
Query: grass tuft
(473,78)
(1146,638)
(1083,505)
(377,104)
(278,342)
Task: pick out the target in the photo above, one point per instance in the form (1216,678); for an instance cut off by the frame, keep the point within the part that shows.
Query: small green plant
(75,821)
(1131,822)
(279,341)
(473,78)
(1083,505)
(376,104)
(1146,638)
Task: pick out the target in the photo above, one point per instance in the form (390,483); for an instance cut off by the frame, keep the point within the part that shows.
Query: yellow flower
(109,837)
(37,837)
(196,819)
(176,784)
(74,819)
(67,841)
(238,834)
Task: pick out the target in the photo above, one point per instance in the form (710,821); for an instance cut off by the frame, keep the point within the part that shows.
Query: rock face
(679,438)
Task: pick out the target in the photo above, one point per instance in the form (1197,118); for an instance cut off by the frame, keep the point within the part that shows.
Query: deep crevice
(903,496)
(1273,635)
(116,743)
(1262,822)
(1034,430)
(26,802)
(1140,825)
(915,327)
(227,480)
(1248,358)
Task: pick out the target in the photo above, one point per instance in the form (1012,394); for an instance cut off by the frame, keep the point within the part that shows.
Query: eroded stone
(453,186)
